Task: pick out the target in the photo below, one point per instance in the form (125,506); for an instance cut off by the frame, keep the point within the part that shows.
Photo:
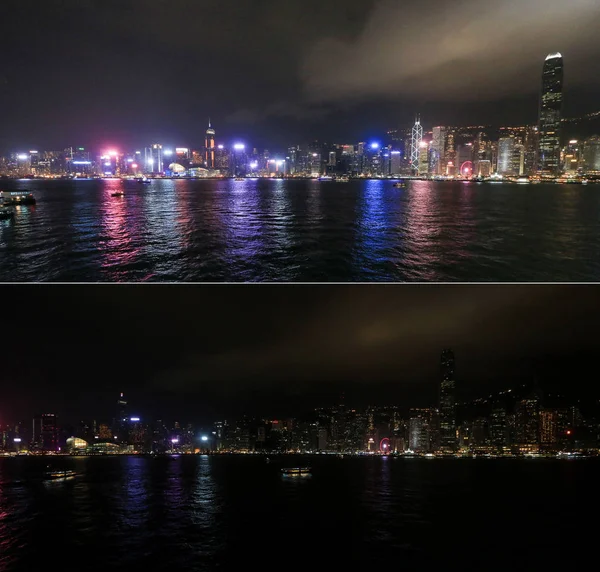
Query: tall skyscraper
(447,401)
(209,146)
(438,151)
(415,146)
(45,432)
(550,116)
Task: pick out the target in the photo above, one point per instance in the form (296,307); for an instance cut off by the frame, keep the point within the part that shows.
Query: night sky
(129,72)
(201,352)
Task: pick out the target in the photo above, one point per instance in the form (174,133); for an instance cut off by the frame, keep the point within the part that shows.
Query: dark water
(302,231)
(232,513)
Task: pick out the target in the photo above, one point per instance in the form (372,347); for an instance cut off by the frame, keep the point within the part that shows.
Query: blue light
(375,145)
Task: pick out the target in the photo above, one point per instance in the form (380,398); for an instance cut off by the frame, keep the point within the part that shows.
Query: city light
(150,162)
(17,439)
(175,440)
(107,164)
(130,160)
(375,145)
(221,147)
(254,165)
(82,163)
(113,153)
(239,146)
(167,152)
(204,438)
(134,166)
(22,157)
(135,419)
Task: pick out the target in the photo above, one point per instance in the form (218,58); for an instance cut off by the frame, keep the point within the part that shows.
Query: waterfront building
(209,148)
(498,427)
(506,149)
(447,401)
(415,147)
(45,433)
(548,428)
(438,151)
(591,155)
(550,115)
(154,159)
(572,158)
(527,423)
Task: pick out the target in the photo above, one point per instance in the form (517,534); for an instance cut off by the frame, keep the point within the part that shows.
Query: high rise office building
(447,401)
(415,147)
(550,116)
(438,151)
(45,433)
(209,147)
(591,154)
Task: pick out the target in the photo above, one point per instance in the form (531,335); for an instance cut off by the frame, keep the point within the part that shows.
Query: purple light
(83,163)
(135,419)
(17,440)
(239,146)
(175,440)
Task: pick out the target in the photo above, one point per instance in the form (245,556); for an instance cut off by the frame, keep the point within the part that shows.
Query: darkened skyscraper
(45,433)
(447,402)
(550,116)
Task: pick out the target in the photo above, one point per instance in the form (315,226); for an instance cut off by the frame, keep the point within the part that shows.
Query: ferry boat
(117,194)
(144,181)
(342,180)
(524,181)
(56,474)
(296,472)
(240,179)
(6,213)
(18,198)
(400,185)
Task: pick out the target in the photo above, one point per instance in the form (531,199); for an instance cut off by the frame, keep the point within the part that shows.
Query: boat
(342,180)
(240,179)
(144,181)
(400,185)
(117,194)
(58,474)
(296,472)
(18,198)
(523,181)
(6,213)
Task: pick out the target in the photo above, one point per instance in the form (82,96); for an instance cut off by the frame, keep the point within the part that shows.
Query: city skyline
(280,92)
(242,356)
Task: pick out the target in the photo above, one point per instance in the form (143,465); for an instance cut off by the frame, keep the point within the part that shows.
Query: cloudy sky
(201,352)
(130,71)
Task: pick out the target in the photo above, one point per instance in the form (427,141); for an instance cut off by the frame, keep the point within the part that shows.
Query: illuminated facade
(209,148)
(591,155)
(447,401)
(550,116)
(415,146)
(438,151)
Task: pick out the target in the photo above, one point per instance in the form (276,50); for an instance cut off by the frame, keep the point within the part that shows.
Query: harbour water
(201,513)
(298,230)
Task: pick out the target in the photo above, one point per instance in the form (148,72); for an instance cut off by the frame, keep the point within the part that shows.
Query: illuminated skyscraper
(438,151)
(209,154)
(415,146)
(550,116)
(447,401)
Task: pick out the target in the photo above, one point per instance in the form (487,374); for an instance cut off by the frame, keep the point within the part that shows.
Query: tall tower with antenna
(209,153)
(415,145)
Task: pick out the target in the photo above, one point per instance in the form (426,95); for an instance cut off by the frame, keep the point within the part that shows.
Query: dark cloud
(201,351)
(131,72)
(465,49)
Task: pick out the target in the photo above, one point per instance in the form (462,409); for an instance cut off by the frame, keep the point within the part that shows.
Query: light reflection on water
(276,230)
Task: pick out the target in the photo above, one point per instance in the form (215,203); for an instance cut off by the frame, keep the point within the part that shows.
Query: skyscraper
(415,146)
(45,432)
(447,401)
(209,156)
(550,116)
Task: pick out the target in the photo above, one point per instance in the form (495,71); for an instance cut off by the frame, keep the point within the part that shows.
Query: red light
(134,166)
